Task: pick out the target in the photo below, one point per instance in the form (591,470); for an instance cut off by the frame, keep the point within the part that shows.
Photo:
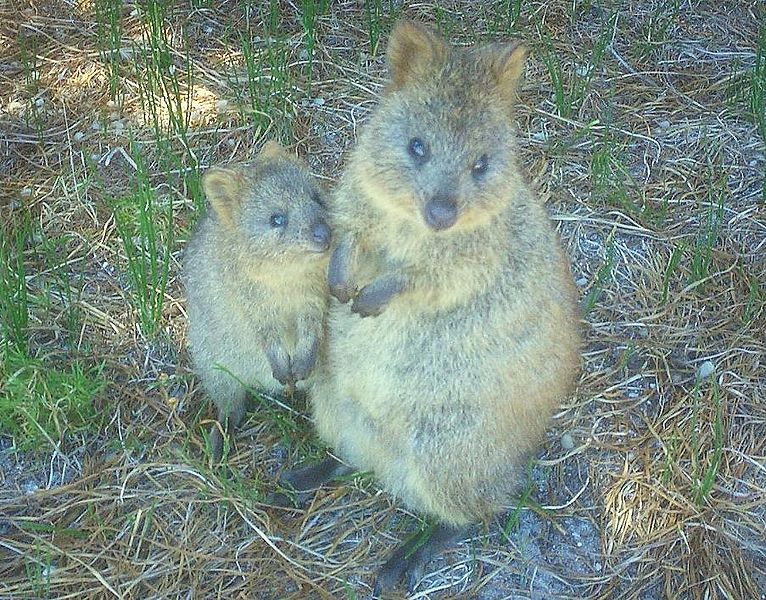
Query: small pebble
(664,124)
(567,441)
(26,192)
(582,282)
(705,370)
(78,136)
(318,102)
(39,102)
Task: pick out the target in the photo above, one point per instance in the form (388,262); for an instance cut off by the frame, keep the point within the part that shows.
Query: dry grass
(662,494)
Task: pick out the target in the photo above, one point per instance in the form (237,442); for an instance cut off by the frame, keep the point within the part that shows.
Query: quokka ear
(413,51)
(222,187)
(272,149)
(507,64)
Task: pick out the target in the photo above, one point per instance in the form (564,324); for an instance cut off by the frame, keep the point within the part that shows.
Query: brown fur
(256,293)
(446,393)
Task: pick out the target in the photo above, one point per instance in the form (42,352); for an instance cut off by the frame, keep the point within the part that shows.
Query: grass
(615,187)
(146,229)
(704,469)
(571,82)
(525,500)
(653,174)
(109,23)
(288,426)
(14,298)
(311,10)
(709,229)
(601,280)
(42,404)
(676,255)
(656,30)
(379,15)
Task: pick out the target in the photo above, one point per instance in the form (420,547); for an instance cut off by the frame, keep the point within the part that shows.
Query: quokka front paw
(339,275)
(373,298)
(303,362)
(281,366)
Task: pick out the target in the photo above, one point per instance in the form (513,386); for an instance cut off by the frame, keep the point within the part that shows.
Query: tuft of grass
(615,187)
(749,88)
(109,40)
(756,297)
(704,471)
(28,57)
(166,100)
(502,18)
(512,522)
(757,95)
(268,82)
(311,10)
(378,17)
(654,32)
(675,257)
(571,83)
(14,297)
(757,100)
(145,227)
(709,230)
(43,403)
(38,567)
(602,276)
(264,96)
(60,288)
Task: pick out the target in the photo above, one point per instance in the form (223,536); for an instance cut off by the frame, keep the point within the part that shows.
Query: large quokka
(255,277)
(449,390)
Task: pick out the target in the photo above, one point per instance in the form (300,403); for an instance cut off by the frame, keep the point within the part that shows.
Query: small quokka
(255,278)
(463,331)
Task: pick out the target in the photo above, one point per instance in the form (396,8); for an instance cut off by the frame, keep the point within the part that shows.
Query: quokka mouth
(315,248)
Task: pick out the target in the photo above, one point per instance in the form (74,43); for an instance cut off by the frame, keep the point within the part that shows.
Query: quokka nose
(321,234)
(441,214)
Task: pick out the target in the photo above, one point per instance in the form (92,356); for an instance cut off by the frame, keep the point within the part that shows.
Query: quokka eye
(278,220)
(480,166)
(418,150)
